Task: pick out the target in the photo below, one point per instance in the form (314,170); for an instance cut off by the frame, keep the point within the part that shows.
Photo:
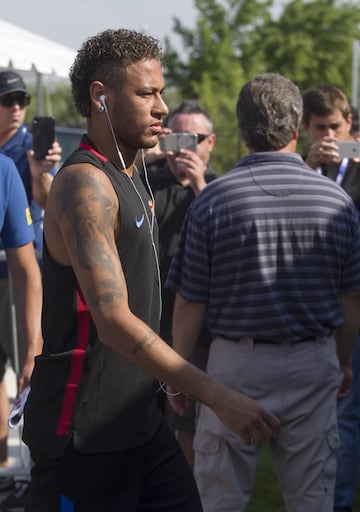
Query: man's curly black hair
(101,55)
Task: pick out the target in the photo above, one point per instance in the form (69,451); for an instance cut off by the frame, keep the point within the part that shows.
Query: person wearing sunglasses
(17,235)
(175,184)
(37,176)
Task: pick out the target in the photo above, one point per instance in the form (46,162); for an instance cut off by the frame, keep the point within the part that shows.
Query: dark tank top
(80,388)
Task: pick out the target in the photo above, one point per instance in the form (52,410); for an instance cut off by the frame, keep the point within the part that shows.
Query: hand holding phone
(43,130)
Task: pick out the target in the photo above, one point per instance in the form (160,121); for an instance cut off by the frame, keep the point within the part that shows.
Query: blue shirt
(269,247)
(15,219)
(16,148)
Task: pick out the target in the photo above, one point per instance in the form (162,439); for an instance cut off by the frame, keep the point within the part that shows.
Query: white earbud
(102,99)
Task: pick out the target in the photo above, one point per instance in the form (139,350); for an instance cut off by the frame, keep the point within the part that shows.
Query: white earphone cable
(162,385)
(150,222)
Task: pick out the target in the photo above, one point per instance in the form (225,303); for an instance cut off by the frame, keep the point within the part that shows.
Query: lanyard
(342,171)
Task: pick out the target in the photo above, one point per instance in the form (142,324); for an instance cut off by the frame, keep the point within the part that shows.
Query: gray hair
(191,107)
(269,111)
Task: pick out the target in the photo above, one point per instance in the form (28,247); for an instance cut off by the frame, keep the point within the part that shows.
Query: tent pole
(39,94)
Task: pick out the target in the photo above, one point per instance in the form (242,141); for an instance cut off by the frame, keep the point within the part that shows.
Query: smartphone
(349,149)
(176,141)
(43,130)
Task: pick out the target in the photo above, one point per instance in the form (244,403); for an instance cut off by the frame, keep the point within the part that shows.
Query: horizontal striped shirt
(269,247)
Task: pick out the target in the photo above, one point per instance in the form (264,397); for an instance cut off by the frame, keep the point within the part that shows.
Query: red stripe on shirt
(77,364)
(82,145)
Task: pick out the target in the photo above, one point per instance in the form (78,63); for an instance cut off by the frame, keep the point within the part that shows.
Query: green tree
(212,71)
(64,109)
(310,43)
(58,102)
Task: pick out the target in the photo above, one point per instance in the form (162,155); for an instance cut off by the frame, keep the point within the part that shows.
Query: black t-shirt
(80,388)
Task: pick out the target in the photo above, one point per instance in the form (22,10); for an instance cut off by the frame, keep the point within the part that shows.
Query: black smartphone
(43,130)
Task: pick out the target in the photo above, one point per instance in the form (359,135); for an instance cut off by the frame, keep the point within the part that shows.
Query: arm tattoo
(108,294)
(148,340)
(91,214)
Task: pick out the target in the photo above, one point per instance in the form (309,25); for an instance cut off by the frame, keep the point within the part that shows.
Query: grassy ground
(266,496)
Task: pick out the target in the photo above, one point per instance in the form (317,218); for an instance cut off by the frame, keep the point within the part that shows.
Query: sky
(70,22)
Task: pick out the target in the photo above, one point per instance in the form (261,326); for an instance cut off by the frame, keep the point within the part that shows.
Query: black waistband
(273,342)
(308,338)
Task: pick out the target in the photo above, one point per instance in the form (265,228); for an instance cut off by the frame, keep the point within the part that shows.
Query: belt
(271,342)
(274,342)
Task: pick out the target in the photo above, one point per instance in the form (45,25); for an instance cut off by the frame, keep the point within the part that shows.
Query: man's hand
(345,388)
(41,179)
(178,401)
(323,151)
(345,336)
(251,422)
(191,167)
(24,377)
(241,414)
(357,139)
(38,167)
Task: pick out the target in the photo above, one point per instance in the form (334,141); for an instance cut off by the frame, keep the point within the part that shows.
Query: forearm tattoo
(148,341)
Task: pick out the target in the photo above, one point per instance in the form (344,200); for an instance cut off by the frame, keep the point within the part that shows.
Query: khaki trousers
(296,382)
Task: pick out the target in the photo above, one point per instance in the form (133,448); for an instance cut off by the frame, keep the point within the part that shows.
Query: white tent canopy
(25,51)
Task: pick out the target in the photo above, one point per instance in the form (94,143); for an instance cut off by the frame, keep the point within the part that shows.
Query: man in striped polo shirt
(270,256)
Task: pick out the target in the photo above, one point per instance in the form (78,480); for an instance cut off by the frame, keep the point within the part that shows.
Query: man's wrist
(312,162)
(198,186)
(41,175)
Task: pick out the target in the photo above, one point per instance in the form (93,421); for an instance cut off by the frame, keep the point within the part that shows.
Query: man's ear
(212,140)
(96,90)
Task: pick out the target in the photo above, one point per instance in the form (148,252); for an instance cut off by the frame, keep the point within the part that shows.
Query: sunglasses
(201,137)
(8,100)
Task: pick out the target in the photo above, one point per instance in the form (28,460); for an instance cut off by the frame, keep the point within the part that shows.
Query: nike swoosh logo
(139,222)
